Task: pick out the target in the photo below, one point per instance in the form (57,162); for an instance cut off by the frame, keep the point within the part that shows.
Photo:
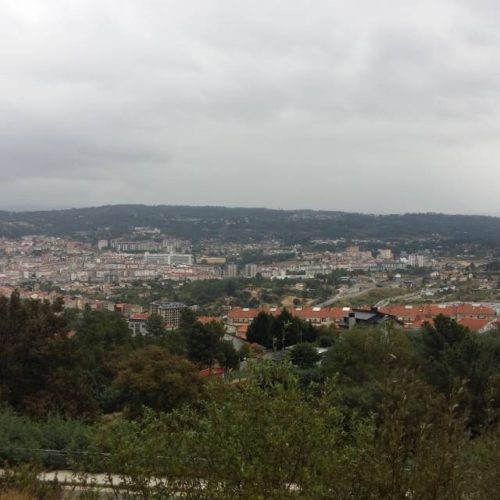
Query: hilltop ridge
(248,224)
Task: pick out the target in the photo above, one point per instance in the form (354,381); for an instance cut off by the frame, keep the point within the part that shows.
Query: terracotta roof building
(474,316)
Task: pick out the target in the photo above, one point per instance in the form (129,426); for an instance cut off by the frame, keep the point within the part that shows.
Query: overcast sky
(360,105)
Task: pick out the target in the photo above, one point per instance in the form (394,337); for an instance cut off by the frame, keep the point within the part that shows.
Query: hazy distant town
(214,277)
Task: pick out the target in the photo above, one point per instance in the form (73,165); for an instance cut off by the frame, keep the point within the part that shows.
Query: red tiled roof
(401,311)
(419,323)
(473,324)
(239,312)
(241,331)
(428,311)
(306,313)
(475,309)
(433,310)
(212,372)
(204,320)
(140,316)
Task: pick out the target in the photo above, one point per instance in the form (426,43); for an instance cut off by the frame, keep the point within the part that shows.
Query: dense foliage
(82,364)
(53,442)
(152,377)
(41,368)
(248,224)
(280,331)
(382,415)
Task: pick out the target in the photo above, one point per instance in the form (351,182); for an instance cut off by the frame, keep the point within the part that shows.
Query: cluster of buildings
(248,271)
(166,245)
(476,317)
(149,255)
(50,267)
(310,264)
(78,266)
(238,319)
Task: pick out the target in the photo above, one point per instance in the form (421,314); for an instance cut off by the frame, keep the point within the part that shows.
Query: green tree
(445,349)
(255,440)
(152,377)
(280,331)
(260,330)
(453,356)
(365,360)
(175,342)
(304,356)
(40,365)
(227,356)
(203,341)
(231,288)
(100,336)
(285,331)
(155,326)
(187,320)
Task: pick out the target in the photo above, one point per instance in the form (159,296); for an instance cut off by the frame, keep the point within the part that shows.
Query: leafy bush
(54,443)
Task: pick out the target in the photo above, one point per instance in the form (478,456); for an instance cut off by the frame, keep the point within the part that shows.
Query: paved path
(348,294)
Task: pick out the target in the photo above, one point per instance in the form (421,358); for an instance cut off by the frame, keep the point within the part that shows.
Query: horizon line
(27,210)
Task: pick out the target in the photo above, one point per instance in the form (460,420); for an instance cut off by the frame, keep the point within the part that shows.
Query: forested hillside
(248,224)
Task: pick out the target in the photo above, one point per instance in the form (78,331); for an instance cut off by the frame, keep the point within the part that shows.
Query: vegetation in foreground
(383,416)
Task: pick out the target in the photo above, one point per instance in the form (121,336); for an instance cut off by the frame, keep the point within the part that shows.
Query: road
(112,486)
(406,296)
(356,291)
(350,293)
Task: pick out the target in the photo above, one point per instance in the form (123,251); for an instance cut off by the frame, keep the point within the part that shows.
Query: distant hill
(247,224)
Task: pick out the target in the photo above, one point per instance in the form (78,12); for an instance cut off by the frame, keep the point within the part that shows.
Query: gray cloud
(386,106)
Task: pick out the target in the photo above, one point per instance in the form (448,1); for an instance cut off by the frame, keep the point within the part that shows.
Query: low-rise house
(368,317)
(238,319)
(206,320)
(315,315)
(138,323)
(475,316)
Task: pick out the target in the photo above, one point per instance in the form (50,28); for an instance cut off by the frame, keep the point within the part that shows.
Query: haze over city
(364,106)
